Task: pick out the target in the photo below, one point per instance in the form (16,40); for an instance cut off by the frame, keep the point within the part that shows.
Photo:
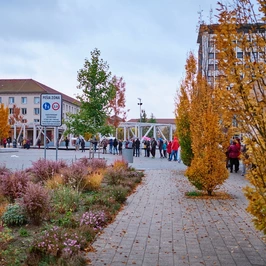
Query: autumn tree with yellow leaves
(241,45)
(4,126)
(182,112)
(198,120)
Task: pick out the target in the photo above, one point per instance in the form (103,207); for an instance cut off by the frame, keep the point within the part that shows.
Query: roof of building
(12,86)
(158,120)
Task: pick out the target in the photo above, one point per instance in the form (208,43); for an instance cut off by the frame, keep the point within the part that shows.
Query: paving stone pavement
(159,226)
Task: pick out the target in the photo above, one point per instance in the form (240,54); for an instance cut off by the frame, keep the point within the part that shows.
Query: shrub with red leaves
(13,184)
(36,202)
(43,170)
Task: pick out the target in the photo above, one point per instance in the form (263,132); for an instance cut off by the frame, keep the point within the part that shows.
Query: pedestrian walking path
(160,226)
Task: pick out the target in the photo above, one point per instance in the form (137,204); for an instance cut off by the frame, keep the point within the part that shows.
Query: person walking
(148,148)
(120,146)
(165,149)
(82,144)
(111,145)
(66,142)
(104,144)
(4,142)
(160,146)
(137,147)
(39,143)
(175,146)
(153,147)
(233,153)
(77,144)
(115,144)
(169,149)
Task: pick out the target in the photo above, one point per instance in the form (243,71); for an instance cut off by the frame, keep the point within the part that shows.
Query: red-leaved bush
(94,164)
(43,170)
(75,175)
(3,170)
(36,202)
(13,184)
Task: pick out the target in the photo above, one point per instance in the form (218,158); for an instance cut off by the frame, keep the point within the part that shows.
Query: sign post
(51,114)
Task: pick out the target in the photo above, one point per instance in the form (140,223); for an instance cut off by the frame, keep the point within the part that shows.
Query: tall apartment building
(25,94)
(208,56)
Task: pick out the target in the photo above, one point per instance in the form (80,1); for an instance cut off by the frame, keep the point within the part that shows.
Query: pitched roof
(158,120)
(12,86)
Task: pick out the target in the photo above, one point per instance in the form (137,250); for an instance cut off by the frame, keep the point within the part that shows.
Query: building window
(239,55)
(0,99)
(211,67)
(24,121)
(24,100)
(36,120)
(11,100)
(24,111)
(211,55)
(11,111)
(36,100)
(36,111)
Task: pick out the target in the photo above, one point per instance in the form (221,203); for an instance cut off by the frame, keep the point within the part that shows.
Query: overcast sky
(144,41)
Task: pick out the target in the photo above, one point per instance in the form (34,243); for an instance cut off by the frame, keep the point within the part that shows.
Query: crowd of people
(233,156)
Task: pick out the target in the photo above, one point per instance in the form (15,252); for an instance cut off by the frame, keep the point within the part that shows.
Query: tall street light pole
(140,103)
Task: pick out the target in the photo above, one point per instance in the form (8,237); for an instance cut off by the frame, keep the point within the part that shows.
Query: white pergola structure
(38,131)
(135,129)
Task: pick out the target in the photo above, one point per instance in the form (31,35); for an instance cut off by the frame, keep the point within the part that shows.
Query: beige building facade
(25,94)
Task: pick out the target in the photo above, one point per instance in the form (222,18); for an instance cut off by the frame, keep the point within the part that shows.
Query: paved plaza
(159,226)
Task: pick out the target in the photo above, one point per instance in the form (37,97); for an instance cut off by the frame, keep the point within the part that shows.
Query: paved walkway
(159,226)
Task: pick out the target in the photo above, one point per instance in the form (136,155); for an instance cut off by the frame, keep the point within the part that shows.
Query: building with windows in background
(25,95)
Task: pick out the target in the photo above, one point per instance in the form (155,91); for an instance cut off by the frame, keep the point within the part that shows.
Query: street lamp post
(140,103)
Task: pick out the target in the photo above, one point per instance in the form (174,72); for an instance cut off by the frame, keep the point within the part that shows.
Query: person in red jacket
(233,154)
(175,146)
(169,149)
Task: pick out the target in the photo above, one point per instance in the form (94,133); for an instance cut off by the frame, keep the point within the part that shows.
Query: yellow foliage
(54,182)
(3,204)
(93,181)
(4,126)
(246,99)
(118,164)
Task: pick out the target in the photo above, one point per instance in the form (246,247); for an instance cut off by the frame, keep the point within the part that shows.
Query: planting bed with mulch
(51,213)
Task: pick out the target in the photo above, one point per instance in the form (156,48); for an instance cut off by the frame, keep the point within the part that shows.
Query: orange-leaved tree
(200,130)
(118,102)
(208,170)
(241,43)
(4,126)
(16,117)
(182,111)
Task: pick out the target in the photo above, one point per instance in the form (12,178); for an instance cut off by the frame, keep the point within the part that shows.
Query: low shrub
(67,220)
(43,169)
(65,199)
(118,193)
(118,164)
(96,220)
(58,242)
(14,215)
(56,181)
(13,184)
(3,170)
(36,202)
(114,176)
(75,176)
(94,164)
(93,181)
(3,204)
